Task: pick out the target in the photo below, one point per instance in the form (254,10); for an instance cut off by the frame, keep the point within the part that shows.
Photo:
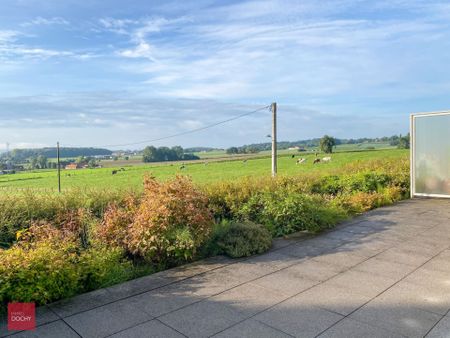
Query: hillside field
(200,171)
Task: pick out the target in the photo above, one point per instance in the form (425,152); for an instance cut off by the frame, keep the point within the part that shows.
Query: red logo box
(21,316)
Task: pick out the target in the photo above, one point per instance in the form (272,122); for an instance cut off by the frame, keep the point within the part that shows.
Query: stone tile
(212,283)
(166,299)
(349,328)
(251,328)
(249,298)
(195,268)
(405,320)
(343,260)
(202,319)
(413,258)
(423,297)
(314,270)
(439,264)
(362,282)
(324,242)
(297,320)
(289,281)
(430,277)
(151,329)
(83,302)
(137,286)
(108,319)
(334,298)
(303,250)
(56,329)
(259,266)
(381,267)
(441,330)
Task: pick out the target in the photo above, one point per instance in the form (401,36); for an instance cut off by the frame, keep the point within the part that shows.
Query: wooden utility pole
(59,167)
(274,139)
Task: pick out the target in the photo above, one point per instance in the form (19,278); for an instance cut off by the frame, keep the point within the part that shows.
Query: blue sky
(112,72)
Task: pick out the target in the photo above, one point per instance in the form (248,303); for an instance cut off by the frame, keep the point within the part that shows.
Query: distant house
(71,166)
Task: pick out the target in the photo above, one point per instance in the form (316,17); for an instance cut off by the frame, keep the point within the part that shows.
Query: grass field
(131,177)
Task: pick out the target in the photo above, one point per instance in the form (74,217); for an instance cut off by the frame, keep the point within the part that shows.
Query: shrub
(100,267)
(285,212)
(41,273)
(243,239)
(167,225)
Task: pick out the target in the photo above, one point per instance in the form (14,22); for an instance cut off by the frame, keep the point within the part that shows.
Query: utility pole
(274,139)
(59,167)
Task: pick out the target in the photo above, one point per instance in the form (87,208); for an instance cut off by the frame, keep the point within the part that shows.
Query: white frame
(411,152)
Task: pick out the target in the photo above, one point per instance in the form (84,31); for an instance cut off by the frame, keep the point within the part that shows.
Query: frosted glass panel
(432,154)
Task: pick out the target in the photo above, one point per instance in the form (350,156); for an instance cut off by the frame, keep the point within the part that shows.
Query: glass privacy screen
(430,167)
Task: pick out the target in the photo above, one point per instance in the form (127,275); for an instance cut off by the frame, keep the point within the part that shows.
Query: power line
(179,134)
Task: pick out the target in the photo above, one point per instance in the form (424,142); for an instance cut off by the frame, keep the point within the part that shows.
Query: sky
(108,72)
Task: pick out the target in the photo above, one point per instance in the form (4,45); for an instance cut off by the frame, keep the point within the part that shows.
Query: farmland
(201,171)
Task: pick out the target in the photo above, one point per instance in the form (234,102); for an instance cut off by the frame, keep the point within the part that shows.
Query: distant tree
(150,154)
(327,143)
(92,163)
(126,158)
(42,161)
(34,162)
(403,142)
(80,160)
(232,150)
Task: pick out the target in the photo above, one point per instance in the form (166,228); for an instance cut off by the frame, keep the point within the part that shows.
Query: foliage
(285,212)
(153,154)
(167,225)
(327,143)
(242,239)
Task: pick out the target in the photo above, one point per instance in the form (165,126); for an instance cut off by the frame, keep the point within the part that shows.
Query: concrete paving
(383,274)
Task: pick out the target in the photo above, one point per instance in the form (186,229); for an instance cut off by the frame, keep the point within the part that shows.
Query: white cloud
(40,21)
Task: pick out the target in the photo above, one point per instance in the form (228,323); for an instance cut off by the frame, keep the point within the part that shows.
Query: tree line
(160,154)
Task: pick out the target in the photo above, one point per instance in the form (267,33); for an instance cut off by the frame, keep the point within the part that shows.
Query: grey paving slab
(317,271)
(57,329)
(362,282)
(249,298)
(413,258)
(441,330)
(349,328)
(344,260)
(251,328)
(150,329)
(403,319)
(166,299)
(298,320)
(83,302)
(137,286)
(202,319)
(342,300)
(425,297)
(108,319)
(289,281)
(379,267)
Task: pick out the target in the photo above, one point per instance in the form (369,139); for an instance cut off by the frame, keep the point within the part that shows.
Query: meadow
(201,171)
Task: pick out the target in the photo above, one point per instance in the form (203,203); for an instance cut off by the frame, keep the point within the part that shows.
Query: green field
(200,172)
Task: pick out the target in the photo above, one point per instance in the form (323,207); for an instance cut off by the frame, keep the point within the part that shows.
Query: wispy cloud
(40,21)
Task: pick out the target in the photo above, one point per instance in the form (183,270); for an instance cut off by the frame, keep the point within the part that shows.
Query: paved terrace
(384,274)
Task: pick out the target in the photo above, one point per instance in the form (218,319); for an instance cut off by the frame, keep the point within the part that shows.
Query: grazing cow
(301,160)
(293,156)
(182,167)
(317,160)
(326,159)
(114,172)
